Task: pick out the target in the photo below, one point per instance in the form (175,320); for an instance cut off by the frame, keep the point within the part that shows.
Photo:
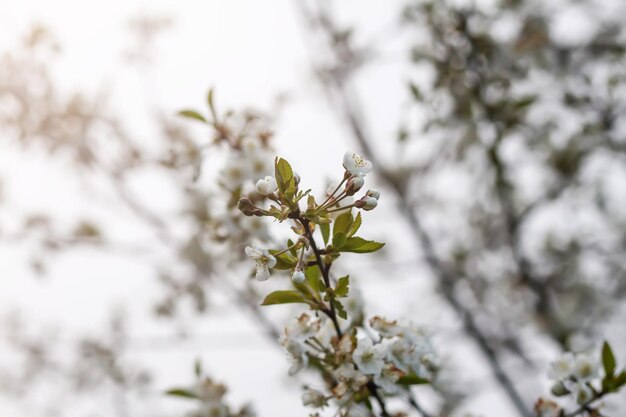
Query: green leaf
(343,285)
(417,95)
(339,240)
(325,229)
(283,297)
(312,274)
(412,379)
(341,312)
(284,175)
(182,392)
(284,261)
(608,359)
(355,225)
(192,114)
(343,223)
(360,245)
(292,251)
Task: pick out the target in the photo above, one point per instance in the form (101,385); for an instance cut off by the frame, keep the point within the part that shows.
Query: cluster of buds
(283,192)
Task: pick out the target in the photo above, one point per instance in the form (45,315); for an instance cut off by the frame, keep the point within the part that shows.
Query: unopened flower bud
(373,193)
(559,389)
(246,207)
(366,203)
(354,185)
(266,185)
(298,276)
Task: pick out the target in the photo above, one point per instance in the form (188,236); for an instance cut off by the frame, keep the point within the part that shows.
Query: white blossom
(350,377)
(264,261)
(385,328)
(302,327)
(368,357)
(256,226)
(582,393)
(585,368)
(562,368)
(357,410)
(260,164)
(266,186)
(355,164)
(297,354)
(250,145)
(313,398)
(388,378)
(235,173)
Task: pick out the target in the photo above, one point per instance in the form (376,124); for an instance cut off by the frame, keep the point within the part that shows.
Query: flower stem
(331,313)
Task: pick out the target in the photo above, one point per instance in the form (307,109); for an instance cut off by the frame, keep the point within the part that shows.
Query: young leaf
(608,359)
(284,175)
(412,379)
(312,274)
(343,223)
(343,284)
(341,312)
(284,261)
(325,229)
(197,368)
(192,114)
(182,392)
(355,225)
(292,251)
(283,297)
(339,240)
(360,245)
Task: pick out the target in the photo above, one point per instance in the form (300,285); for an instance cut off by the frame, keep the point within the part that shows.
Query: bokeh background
(108,290)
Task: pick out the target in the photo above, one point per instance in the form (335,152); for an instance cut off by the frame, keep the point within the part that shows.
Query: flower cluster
(572,373)
(398,355)
(584,379)
(358,362)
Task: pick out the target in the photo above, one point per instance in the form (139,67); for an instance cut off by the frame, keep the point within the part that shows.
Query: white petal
(262,273)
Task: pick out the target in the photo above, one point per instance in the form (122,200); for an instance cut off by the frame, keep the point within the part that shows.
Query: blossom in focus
(355,164)
(264,261)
